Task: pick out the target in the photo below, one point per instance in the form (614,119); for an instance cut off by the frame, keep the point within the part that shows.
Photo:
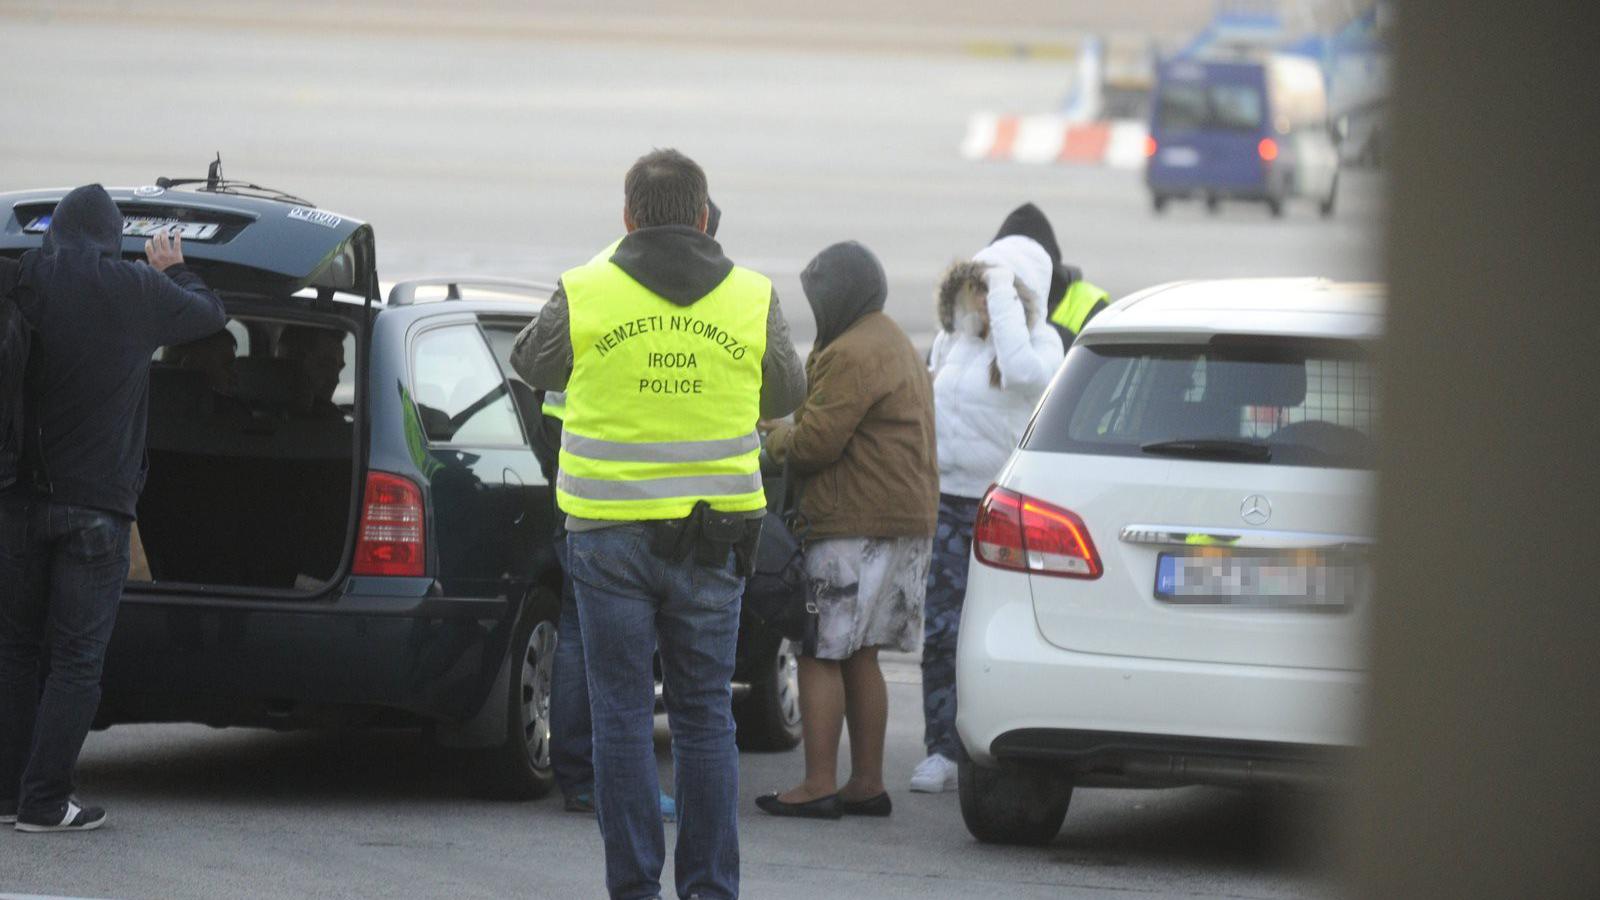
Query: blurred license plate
(1182,157)
(139,226)
(1307,579)
(144,226)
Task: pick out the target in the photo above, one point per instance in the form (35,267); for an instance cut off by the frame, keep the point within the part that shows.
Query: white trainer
(934,775)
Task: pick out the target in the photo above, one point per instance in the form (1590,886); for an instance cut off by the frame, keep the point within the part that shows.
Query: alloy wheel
(538,668)
(788,682)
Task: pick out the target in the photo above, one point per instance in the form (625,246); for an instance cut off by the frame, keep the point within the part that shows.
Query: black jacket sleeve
(175,306)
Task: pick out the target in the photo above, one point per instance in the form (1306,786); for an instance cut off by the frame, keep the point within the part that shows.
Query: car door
(486,513)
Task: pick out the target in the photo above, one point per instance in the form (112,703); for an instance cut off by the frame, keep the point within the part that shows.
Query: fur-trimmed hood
(964,286)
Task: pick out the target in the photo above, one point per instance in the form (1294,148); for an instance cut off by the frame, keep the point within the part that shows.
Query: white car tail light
(1017,532)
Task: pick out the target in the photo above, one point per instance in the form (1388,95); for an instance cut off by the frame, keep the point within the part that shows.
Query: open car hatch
(235,241)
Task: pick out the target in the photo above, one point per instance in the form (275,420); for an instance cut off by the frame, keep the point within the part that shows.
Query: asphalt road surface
(474,153)
(198,813)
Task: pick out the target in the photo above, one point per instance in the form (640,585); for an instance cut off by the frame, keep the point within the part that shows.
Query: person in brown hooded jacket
(864,440)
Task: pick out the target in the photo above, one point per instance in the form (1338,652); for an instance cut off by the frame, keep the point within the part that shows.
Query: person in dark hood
(864,441)
(64,529)
(1072,301)
(668,354)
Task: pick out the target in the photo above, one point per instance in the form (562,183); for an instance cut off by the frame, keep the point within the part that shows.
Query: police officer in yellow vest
(554,403)
(1073,301)
(667,354)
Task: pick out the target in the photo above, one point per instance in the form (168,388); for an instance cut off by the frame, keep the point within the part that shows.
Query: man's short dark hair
(664,187)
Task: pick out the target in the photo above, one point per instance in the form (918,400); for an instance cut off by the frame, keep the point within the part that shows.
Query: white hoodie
(978,423)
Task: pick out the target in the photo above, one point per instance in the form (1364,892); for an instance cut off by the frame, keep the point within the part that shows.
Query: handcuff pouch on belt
(710,536)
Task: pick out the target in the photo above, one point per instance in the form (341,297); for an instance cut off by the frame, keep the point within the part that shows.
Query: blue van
(1255,130)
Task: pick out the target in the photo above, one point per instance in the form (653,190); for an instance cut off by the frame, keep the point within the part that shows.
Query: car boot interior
(250,470)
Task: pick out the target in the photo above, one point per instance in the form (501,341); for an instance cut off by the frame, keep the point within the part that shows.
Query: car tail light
(1017,532)
(1150,146)
(1268,148)
(392,540)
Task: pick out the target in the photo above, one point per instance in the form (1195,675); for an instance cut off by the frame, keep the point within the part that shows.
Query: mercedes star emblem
(1255,510)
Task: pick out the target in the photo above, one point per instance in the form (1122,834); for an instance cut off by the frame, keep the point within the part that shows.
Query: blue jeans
(629,601)
(571,731)
(941,624)
(61,574)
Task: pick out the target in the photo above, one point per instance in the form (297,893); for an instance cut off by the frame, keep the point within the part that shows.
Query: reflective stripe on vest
(555,404)
(663,399)
(1074,308)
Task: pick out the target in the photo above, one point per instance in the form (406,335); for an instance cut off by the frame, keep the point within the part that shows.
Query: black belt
(710,536)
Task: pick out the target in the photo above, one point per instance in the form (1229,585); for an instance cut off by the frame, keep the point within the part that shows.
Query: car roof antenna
(214,174)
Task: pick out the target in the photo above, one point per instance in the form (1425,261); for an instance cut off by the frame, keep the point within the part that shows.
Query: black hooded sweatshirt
(98,320)
(14,338)
(1029,221)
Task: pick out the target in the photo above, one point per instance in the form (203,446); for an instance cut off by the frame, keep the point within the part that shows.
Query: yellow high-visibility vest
(1074,309)
(663,400)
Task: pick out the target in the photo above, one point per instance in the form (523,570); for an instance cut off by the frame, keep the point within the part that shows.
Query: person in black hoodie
(1073,301)
(64,528)
(14,340)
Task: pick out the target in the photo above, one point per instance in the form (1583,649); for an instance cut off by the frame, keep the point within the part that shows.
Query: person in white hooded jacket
(990,365)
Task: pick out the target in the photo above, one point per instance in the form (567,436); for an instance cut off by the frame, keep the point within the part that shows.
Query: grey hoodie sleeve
(783,378)
(542,354)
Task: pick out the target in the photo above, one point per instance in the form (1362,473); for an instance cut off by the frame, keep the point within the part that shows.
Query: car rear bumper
(1185,183)
(383,647)
(1015,686)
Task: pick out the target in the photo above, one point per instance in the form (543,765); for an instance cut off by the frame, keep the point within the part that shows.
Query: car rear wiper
(1211,448)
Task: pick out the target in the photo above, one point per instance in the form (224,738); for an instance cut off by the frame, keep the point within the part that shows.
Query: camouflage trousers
(941,622)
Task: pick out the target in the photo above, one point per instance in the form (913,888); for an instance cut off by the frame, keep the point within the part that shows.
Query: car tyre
(768,718)
(519,769)
(1013,803)
(1213,204)
(1158,202)
(1275,207)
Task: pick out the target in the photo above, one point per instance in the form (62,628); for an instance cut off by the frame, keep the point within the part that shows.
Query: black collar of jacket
(677,262)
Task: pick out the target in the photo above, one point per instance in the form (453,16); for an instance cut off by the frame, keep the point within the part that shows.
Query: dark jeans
(629,601)
(941,624)
(61,574)
(571,730)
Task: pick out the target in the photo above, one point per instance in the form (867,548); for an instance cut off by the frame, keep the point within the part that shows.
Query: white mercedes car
(1170,577)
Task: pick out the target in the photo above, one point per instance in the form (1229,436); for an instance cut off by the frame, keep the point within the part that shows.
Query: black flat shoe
(821,808)
(872,806)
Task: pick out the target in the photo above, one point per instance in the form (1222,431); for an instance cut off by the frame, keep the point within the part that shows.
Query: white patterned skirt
(868,592)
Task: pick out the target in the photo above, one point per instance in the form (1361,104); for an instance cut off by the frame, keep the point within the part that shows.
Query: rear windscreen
(1309,403)
(1196,106)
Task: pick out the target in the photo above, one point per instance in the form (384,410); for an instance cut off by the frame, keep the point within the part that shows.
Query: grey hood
(843,283)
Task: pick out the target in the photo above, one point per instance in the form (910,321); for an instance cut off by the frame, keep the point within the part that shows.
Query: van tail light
(1150,146)
(392,539)
(1017,532)
(1268,148)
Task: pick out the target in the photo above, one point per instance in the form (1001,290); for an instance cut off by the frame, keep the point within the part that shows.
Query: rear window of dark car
(1307,402)
(1197,106)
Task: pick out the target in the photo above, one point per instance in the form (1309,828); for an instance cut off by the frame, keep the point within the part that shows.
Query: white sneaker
(935,775)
